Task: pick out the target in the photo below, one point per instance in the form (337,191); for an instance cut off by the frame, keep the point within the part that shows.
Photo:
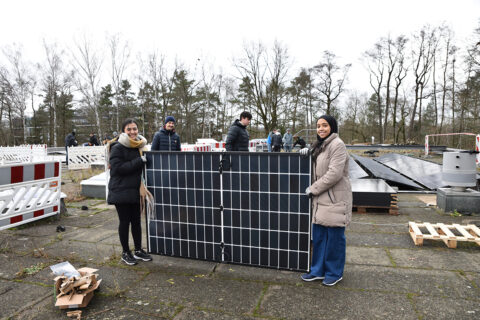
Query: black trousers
(129,214)
(276,148)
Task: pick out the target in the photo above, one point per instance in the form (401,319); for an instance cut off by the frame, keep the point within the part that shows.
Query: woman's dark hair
(127,122)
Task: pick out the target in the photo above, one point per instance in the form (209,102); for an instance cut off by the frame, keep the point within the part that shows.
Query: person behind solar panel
(70,142)
(269,141)
(166,139)
(276,141)
(287,141)
(300,142)
(331,194)
(126,165)
(237,137)
(93,141)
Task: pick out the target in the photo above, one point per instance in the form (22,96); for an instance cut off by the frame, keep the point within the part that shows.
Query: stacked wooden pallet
(449,234)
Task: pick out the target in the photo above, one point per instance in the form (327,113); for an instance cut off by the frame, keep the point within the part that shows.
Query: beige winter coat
(332,191)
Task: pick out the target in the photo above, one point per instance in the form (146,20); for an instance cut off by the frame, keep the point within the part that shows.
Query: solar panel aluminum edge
(188,221)
(266,213)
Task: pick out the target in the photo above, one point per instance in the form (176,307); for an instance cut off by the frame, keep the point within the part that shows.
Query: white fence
(23,153)
(83,157)
(29,192)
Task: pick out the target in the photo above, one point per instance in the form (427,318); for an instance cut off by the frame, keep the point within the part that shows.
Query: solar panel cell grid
(266,216)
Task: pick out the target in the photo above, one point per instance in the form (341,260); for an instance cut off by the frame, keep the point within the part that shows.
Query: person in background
(287,141)
(269,141)
(276,141)
(237,137)
(332,199)
(93,140)
(300,142)
(70,142)
(166,139)
(126,164)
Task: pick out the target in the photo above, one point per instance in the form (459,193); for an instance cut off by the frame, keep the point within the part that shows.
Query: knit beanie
(169,118)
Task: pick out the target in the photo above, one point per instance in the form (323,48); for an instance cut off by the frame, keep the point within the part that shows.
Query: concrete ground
(386,276)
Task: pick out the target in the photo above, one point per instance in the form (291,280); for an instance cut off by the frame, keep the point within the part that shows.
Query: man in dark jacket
(93,140)
(166,139)
(70,142)
(237,137)
(300,142)
(276,141)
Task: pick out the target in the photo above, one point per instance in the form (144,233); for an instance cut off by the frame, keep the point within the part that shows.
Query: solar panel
(245,208)
(371,193)
(423,172)
(355,171)
(380,170)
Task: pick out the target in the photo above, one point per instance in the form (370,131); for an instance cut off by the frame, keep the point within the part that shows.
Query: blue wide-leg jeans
(329,250)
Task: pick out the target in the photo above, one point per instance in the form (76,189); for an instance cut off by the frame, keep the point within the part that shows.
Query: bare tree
(88,65)
(267,74)
(423,57)
(19,85)
(401,73)
(376,67)
(449,50)
(119,55)
(331,79)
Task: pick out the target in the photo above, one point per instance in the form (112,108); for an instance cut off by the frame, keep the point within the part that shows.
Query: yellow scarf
(139,143)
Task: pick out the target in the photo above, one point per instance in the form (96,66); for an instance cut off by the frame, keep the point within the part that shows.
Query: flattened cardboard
(77,300)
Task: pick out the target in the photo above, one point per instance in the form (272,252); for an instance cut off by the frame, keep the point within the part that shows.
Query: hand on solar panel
(305,152)
(308,192)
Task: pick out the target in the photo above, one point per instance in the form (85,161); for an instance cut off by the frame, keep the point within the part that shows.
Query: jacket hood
(238,123)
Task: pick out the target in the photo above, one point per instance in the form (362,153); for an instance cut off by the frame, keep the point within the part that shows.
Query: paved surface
(386,276)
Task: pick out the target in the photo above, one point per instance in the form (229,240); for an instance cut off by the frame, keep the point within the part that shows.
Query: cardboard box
(76,299)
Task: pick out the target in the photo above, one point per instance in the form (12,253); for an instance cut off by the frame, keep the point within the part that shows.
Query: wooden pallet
(393,209)
(440,231)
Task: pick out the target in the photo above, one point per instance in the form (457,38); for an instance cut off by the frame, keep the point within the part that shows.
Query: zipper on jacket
(328,191)
(169,143)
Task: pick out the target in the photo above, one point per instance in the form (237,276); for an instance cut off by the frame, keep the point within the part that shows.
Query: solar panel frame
(241,214)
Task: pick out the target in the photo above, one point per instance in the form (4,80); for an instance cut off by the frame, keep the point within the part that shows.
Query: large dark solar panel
(255,209)
(423,172)
(355,171)
(380,170)
(371,193)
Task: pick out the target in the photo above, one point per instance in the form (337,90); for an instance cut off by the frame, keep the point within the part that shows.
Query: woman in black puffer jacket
(126,164)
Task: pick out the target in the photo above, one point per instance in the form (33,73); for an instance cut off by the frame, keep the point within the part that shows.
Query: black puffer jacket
(125,174)
(237,137)
(166,140)
(70,140)
(276,140)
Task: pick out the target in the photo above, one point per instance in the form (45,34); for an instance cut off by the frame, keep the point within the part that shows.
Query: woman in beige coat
(332,203)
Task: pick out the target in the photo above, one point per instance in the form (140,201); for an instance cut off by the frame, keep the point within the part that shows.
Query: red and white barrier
(29,192)
(196,147)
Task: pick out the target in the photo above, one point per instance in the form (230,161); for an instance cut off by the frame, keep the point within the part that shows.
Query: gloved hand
(308,192)
(305,152)
(144,158)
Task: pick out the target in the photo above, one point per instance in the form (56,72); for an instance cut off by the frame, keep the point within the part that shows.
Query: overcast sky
(192,29)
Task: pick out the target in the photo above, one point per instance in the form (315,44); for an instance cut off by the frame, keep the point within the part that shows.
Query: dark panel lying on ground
(381,171)
(355,171)
(424,172)
(371,193)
